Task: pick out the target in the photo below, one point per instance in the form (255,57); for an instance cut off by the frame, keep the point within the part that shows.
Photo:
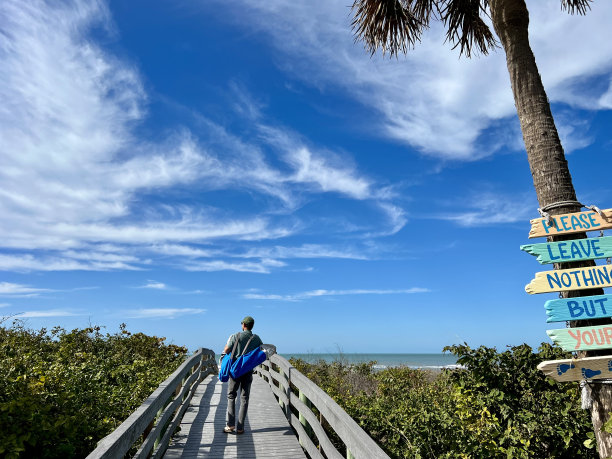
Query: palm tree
(395,26)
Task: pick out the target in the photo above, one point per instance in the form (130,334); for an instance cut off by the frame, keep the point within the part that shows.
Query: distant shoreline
(384,360)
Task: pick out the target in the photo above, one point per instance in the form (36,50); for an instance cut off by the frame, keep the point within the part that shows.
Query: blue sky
(177,165)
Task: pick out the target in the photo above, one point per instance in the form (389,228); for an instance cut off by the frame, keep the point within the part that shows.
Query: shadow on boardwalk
(267,432)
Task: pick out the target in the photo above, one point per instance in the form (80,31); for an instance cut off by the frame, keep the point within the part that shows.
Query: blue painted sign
(584,307)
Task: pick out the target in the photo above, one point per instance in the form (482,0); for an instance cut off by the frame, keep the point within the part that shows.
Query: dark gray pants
(244,384)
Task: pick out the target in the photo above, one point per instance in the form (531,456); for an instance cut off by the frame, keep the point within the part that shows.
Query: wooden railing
(285,381)
(156,419)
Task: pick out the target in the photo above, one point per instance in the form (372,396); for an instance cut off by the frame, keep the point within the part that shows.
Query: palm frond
(576,6)
(465,27)
(394,26)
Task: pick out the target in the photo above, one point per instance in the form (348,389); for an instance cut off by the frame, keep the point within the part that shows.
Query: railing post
(287,389)
(288,394)
(159,437)
(201,376)
(303,420)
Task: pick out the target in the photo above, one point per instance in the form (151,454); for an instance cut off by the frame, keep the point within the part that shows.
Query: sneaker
(228,429)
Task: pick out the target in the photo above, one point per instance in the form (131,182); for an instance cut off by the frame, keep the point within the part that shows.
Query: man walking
(242,339)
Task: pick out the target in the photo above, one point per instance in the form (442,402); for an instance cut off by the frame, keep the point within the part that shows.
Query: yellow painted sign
(559,280)
(578,369)
(578,222)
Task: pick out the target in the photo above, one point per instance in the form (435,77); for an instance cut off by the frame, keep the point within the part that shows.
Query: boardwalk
(267,432)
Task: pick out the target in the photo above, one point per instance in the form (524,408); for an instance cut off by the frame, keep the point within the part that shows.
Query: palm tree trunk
(549,169)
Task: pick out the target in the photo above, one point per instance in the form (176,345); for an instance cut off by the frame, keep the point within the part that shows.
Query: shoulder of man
(233,337)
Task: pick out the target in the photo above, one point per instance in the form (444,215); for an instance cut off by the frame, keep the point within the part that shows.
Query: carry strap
(247,345)
(234,349)
(236,344)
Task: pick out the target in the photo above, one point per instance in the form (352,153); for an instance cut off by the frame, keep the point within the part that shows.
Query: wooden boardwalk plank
(267,431)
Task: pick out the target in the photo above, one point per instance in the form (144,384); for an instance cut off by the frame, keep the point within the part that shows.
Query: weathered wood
(159,429)
(283,387)
(574,250)
(578,369)
(256,442)
(304,439)
(281,394)
(278,377)
(353,436)
(305,413)
(577,222)
(121,439)
(267,433)
(583,338)
(579,308)
(265,374)
(304,403)
(159,452)
(558,280)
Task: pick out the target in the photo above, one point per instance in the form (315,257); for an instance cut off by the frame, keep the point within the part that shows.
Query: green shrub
(498,406)
(61,392)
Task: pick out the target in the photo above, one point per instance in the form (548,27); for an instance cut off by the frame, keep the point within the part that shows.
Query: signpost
(582,338)
(578,222)
(580,308)
(560,280)
(563,280)
(575,250)
(577,369)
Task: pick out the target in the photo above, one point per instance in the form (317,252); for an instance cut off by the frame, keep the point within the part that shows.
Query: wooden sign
(571,223)
(582,338)
(558,280)
(584,307)
(578,369)
(574,250)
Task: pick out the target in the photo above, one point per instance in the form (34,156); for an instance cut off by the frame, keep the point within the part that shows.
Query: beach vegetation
(478,27)
(62,391)
(497,404)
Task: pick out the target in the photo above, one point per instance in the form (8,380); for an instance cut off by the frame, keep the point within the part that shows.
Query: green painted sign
(574,250)
(579,308)
(582,338)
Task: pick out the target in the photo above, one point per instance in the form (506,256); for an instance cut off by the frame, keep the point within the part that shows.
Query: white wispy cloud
(26,262)
(326,172)
(321,292)
(264,266)
(155,285)
(10,289)
(161,313)
(431,99)
(75,188)
(305,251)
(490,208)
(49,313)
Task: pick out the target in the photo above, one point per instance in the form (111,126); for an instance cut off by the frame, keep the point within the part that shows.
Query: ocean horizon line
(382,359)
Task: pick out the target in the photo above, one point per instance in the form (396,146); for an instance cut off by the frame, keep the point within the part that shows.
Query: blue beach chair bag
(224,368)
(246,362)
(226,363)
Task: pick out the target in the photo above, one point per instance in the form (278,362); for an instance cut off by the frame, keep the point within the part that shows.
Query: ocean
(423,361)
